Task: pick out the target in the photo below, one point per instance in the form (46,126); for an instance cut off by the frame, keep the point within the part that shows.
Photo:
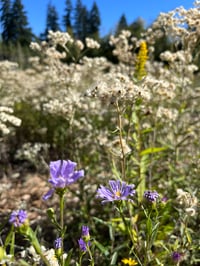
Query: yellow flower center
(117,193)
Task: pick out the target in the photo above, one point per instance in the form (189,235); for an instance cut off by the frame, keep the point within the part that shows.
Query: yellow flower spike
(129,262)
(142,57)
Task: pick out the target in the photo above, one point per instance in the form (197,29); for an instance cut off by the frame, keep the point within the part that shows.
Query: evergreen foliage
(6,20)
(80,21)
(67,18)
(21,31)
(162,44)
(51,21)
(137,27)
(15,23)
(94,21)
(122,24)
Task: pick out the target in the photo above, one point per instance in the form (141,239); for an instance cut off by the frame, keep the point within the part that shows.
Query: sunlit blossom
(17,218)
(62,175)
(129,261)
(118,191)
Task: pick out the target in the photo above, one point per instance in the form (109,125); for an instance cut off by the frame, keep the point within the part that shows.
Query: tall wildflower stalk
(123,157)
(142,57)
(140,72)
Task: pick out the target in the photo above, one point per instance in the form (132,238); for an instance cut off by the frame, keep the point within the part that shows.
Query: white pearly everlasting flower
(92,44)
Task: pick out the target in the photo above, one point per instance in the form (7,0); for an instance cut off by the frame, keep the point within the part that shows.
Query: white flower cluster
(35,46)
(7,118)
(92,44)
(32,151)
(167,113)
(123,46)
(79,44)
(48,253)
(116,86)
(188,201)
(59,37)
(117,148)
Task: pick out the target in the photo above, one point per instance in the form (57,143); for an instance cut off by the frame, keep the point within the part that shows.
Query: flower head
(151,195)
(118,191)
(129,261)
(62,174)
(84,241)
(17,218)
(82,244)
(58,243)
(176,256)
(85,230)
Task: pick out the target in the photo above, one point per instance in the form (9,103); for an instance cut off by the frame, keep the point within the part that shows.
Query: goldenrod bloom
(129,261)
(141,61)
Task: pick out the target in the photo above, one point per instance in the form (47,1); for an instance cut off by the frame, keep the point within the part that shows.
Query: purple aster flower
(118,191)
(62,174)
(164,199)
(151,195)
(82,244)
(176,256)
(58,243)
(85,238)
(17,218)
(85,230)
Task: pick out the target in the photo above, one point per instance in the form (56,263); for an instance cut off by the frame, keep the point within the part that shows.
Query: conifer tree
(67,17)
(122,24)
(19,23)
(137,27)
(94,21)
(80,21)
(51,21)
(6,18)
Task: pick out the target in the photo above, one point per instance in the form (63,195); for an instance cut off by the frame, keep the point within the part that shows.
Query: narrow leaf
(153,150)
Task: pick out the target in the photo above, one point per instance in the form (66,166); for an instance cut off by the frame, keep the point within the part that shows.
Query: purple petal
(48,194)
(67,168)
(82,244)
(17,218)
(85,230)
(55,168)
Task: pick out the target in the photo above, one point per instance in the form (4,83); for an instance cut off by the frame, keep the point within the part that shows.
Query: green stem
(39,251)
(30,234)
(12,247)
(80,259)
(123,159)
(128,230)
(90,254)
(62,225)
(141,169)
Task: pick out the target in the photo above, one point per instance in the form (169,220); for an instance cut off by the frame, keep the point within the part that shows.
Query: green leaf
(188,236)
(154,233)
(103,249)
(68,258)
(9,237)
(147,130)
(101,221)
(153,150)
(114,259)
(149,226)
(111,232)
(24,263)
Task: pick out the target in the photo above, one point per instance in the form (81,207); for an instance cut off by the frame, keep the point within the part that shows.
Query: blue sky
(110,11)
